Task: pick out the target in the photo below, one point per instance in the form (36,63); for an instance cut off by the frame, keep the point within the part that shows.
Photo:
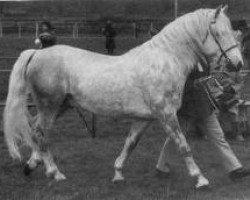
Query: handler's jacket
(195,102)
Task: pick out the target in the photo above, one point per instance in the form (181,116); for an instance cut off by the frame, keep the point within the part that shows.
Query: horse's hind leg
(41,152)
(45,124)
(35,158)
(171,126)
(134,135)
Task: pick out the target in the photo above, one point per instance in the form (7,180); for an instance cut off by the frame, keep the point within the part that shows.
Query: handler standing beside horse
(110,34)
(198,107)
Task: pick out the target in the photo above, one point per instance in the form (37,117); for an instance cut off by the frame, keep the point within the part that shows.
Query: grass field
(88,163)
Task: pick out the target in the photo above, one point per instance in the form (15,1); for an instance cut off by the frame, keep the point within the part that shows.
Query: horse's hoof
(59,176)
(118,177)
(202,183)
(118,180)
(27,170)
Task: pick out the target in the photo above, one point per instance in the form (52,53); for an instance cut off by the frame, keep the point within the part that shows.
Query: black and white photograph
(124,99)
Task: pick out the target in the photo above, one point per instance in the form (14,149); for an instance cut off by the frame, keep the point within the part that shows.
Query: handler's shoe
(239,173)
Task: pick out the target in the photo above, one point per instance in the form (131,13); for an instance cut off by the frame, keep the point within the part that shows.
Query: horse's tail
(16,116)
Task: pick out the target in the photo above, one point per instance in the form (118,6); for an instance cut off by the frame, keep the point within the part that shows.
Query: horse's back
(69,51)
(99,83)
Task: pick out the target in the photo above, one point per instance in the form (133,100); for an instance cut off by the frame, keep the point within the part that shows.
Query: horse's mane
(180,36)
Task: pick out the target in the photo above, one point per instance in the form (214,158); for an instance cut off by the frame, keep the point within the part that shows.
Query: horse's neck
(182,39)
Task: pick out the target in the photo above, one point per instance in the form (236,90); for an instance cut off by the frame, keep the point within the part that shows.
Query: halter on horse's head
(224,56)
(220,44)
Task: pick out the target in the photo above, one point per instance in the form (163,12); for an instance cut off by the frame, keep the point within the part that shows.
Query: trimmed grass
(88,166)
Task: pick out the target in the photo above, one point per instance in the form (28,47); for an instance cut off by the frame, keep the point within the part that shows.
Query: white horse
(145,83)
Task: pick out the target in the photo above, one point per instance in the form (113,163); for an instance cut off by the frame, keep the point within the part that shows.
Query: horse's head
(221,44)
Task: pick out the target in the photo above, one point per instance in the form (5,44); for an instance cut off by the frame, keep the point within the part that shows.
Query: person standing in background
(47,38)
(153,31)
(110,34)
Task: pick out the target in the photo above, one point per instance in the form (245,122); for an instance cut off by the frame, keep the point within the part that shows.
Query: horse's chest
(163,89)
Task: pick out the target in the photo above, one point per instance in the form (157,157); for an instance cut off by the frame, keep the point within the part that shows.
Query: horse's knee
(132,143)
(182,145)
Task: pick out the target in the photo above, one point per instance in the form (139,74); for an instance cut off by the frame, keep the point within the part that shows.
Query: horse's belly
(122,102)
(116,107)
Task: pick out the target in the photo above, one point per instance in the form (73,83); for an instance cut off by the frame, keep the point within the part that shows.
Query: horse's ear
(225,9)
(217,12)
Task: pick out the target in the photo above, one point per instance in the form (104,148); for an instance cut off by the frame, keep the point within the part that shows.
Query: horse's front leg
(171,126)
(134,135)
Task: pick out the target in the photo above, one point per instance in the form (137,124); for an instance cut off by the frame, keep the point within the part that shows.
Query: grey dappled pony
(145,84)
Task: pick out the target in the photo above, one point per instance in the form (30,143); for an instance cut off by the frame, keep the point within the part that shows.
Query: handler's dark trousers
(211,128)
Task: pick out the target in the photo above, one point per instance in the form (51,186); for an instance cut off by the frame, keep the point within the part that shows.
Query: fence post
(1,29)
(73,31)
(150,29)
(37,29)
(135,30)
(76,30)
(19,30)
